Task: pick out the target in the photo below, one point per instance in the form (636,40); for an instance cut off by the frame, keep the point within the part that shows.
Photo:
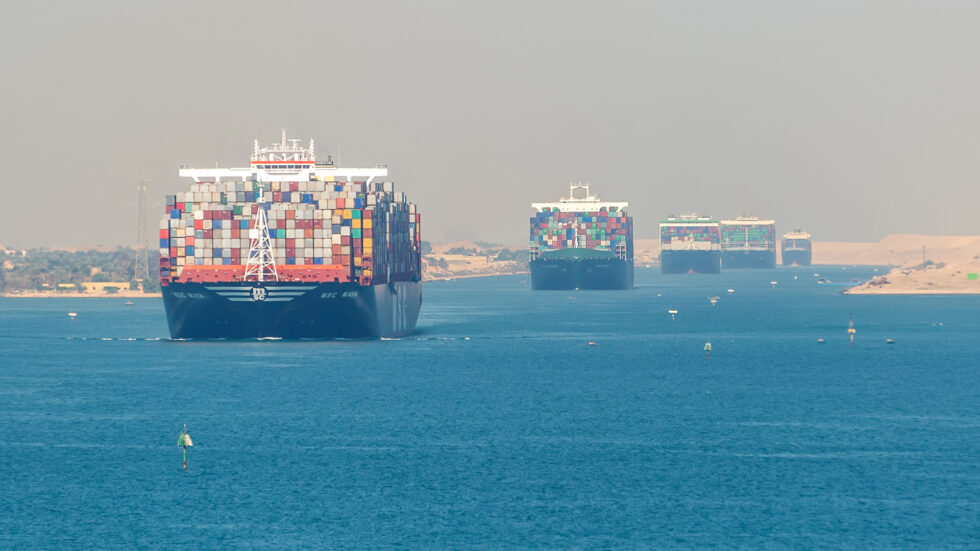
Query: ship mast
(261,261)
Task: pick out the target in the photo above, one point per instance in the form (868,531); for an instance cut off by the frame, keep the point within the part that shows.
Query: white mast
(261,261)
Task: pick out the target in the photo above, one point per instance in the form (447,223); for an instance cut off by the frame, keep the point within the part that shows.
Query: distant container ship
(290,248)
(797,249)
(748,242)
(581,242)
(690,244)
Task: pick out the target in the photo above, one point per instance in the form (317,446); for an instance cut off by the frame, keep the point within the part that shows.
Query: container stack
(609,229)
(748,233)
(689,232)
(321,230)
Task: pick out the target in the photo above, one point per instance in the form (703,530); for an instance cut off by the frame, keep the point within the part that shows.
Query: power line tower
(141,270)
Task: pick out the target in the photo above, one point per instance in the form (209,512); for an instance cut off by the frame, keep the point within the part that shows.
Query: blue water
(496,427)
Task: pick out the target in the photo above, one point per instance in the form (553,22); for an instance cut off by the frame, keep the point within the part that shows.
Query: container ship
(796,249)
(748,242)
(581,242)
(690,244)
(291,248)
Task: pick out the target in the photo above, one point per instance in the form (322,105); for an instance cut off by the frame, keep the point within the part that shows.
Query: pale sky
(851,119)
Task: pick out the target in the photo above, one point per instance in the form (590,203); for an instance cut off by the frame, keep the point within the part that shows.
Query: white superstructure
(748,221)
(796,234)
(286,161)
(579,200)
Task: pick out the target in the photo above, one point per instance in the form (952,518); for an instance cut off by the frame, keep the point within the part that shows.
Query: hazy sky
(852,119)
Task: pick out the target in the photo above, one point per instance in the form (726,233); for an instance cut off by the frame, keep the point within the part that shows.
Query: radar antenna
(261,261)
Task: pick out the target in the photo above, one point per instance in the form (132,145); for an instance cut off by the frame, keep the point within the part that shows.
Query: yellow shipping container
(357,261)
(347,214)
(355,223)
(367,243)
(367,223)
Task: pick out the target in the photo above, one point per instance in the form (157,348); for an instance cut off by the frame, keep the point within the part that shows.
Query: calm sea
(497,427)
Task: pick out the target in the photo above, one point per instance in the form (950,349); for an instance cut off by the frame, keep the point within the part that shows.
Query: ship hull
(683,262)
(797,258)
(748,259)
(291,310)
(581,273)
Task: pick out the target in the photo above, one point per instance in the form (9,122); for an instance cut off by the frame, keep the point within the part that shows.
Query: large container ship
(797,249)
(690,244)
(748,242)
(291,248)
(581,242)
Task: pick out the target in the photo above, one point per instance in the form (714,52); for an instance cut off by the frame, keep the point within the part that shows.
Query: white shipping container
(345,230)
(335,239)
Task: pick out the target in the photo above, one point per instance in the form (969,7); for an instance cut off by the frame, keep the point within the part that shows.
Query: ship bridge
(580,200)
(286,161)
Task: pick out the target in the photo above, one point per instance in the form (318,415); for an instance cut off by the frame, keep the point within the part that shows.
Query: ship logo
(275,293)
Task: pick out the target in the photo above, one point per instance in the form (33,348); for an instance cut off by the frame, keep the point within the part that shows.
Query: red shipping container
(336,250)
(199,224)
(236,233)
(164,234)
(340,203)
(173,251)
(345,240)
(207,234)
(290,243)
(290,215)
(189,241)
(180,207)
(318,224)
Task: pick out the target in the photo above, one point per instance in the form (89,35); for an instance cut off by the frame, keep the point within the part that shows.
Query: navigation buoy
(707,350)
(850,328)
(672,313)
(184,441)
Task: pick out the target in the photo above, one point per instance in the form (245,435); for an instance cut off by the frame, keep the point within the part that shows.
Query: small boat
(889,341)
(672,313)
(773,283)
(713,300)
(128,303)
(71,315)
(820,341)
(591,343)
(731,291)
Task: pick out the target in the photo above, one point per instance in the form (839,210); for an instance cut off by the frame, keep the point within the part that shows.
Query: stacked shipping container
(605,229)
(740,234)
(321,230)
(680,232)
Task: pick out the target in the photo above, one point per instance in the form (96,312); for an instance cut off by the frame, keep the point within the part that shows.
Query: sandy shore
(935,279)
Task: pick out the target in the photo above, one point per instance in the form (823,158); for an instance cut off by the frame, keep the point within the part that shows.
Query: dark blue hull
(797,258)
(565,274)
(683,262)
(748,259)
(291,310)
